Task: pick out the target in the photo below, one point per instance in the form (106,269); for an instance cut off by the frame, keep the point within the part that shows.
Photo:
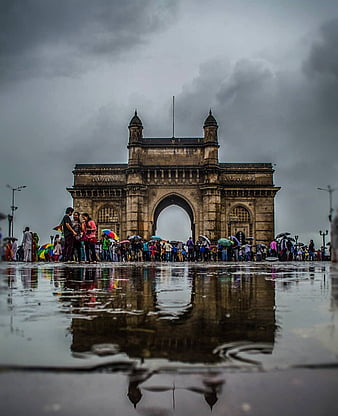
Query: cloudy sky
(73,71)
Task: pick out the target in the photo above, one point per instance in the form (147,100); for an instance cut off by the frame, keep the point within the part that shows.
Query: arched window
(107,217)
(107,214)
(239,220)
(240,214)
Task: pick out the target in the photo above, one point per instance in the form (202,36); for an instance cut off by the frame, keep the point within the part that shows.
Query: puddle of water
(237,316)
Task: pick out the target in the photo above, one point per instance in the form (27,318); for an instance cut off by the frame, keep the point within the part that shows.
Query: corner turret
(210,128)
(135,129)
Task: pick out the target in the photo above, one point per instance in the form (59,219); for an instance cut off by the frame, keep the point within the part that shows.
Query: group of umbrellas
(286,236)
(225,242)
(115,237)
(283,236)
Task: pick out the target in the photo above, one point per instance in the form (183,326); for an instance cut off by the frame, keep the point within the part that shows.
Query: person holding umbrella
(235,247)
(226,244)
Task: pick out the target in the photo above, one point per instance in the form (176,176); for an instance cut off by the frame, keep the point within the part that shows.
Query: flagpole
(173,116)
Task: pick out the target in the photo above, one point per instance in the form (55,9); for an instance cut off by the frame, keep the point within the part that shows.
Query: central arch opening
(173,219)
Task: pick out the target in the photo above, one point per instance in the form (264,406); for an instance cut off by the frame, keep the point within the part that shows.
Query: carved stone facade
(221,199)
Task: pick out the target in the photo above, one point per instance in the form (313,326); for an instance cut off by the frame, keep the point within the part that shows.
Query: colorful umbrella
(45,248)
(111,234)
(58,228)
(225,242)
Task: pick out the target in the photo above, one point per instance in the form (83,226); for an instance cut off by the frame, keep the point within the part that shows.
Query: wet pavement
(167,338)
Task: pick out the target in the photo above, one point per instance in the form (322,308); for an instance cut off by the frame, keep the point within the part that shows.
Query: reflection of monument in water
(181,315)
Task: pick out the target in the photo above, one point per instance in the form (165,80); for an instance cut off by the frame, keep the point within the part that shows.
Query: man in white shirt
(27,243)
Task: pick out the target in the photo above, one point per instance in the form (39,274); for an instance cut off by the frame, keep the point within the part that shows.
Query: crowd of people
(79,243)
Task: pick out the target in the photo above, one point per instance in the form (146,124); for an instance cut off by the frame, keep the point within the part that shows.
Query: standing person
(105,247)
(259,252)
(9,251)
(191,247)
(146,256)
(27,244)
(77,227)
(167,250)
(283,249)
(334,238)
(224,253)
(235,247)
(311,250)
(247,250)
(273,248)
(152,249)
(57,251)
(89,236)
(35,246)
(14,248)
(69,234)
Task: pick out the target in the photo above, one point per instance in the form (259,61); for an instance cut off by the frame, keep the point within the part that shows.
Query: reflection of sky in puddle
(173,290)
(243,315)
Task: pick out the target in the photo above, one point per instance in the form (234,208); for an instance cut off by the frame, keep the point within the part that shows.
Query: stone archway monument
(173,199)
(221,199)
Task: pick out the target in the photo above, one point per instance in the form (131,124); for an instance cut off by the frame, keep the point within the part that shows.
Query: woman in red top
(89,237)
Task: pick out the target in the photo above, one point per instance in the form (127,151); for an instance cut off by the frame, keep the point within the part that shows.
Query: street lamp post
(323,234)
(330,191)
(13,207)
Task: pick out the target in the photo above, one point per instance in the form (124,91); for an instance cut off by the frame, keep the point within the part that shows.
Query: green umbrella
(225,242)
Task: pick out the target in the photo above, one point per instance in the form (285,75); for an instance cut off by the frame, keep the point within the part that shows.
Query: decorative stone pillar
(135,215)
(211,219)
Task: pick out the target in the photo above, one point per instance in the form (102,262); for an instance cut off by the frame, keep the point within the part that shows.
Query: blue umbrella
(156,237)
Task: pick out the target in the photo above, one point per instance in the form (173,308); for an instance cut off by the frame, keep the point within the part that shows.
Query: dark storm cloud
(55,37)
(267,114)
(108,127)
(323,58)
(265,111)
(321,69)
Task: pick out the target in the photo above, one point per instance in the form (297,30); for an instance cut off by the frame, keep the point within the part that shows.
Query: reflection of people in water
(134,392)
(29,278)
